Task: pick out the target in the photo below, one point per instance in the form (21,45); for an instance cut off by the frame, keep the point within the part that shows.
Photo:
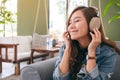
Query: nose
(72,25)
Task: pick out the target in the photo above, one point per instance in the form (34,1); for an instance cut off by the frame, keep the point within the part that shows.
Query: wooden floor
(8,69)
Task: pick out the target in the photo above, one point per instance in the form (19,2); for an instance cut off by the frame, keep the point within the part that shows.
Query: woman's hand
(66,39)
(64,64)
(96,40)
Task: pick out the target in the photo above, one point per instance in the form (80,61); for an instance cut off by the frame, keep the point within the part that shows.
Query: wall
(26,17)
(27,11)
(112,30)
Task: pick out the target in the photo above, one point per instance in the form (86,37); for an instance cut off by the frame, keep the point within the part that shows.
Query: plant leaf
(4,1)
(113,18)
(118,4)
(109,4)
(1,30)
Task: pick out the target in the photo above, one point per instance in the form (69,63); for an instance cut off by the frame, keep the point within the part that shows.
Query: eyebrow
(75,18)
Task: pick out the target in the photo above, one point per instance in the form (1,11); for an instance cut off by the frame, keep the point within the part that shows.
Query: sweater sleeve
(57,75)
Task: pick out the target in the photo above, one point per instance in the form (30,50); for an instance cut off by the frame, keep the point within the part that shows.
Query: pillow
(24,43)
(39,40)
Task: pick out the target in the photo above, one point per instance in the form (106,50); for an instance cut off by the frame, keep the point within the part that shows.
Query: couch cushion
(39,40)
(8,40)
(23,41)
(29,73)
(42,70)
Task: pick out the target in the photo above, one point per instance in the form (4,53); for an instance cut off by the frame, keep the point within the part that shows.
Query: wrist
(91,53)
(67,50)
(91,50)
(91,57)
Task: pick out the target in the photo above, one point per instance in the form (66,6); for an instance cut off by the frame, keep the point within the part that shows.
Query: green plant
(6,16)
(107,8)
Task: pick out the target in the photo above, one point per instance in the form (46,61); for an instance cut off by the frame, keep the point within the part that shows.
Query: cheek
(82,27)
(83,30)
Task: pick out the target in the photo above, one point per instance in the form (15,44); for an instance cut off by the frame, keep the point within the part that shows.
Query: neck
(84,42)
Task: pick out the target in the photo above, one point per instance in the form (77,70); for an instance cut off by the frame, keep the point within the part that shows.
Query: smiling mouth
(73,31)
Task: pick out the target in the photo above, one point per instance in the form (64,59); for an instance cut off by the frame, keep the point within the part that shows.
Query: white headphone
(94,23)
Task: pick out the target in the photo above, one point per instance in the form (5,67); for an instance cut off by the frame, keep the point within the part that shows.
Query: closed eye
(77,20)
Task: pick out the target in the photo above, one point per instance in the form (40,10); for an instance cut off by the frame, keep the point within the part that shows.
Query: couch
(43,70)
(18,49)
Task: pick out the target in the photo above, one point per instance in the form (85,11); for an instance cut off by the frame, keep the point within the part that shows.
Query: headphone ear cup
(94,23)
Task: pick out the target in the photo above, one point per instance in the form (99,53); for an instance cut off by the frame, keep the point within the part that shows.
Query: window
(8,18)
(57,14)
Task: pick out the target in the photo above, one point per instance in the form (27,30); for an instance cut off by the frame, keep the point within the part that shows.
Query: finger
(64,34)
(99,33)
(92,35)
(96,33)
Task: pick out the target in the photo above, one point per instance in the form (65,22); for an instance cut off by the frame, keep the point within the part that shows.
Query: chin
(74,37)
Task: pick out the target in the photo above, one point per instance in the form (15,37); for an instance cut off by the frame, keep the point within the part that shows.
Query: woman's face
(78,27)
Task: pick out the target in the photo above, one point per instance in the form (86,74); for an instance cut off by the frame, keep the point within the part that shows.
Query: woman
(86,55)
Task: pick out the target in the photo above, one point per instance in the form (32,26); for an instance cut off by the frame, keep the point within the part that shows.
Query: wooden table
(6,46)
(44,51)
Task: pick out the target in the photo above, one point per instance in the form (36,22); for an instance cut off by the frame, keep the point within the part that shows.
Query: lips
(73,30)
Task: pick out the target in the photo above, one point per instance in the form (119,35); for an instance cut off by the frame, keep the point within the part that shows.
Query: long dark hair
(75,63)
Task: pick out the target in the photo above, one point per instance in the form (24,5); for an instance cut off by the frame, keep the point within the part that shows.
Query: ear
(94,23)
